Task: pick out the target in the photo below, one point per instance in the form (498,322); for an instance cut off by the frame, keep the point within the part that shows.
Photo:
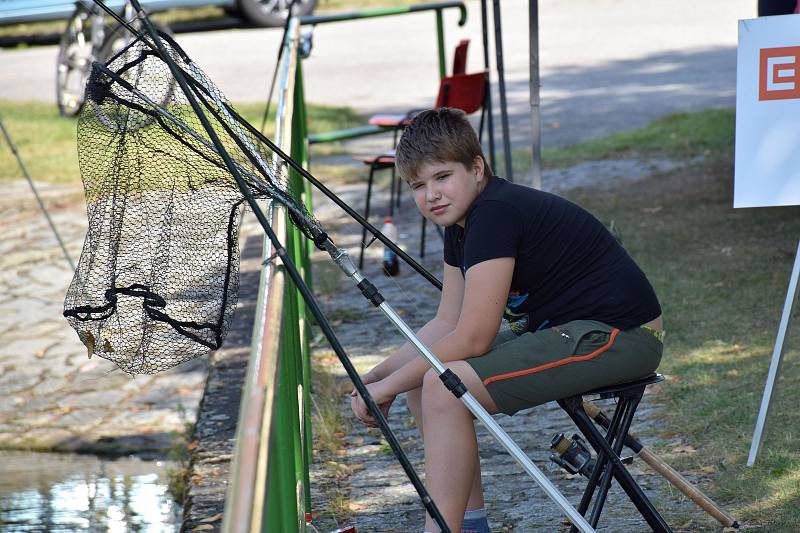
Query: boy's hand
(381,398)
(369,377)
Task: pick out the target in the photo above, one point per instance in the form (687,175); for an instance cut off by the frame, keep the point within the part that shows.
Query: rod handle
(682,484)
(671,475)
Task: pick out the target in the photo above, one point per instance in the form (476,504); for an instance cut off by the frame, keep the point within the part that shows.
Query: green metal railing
(438,7)
(266,494)
(269,488)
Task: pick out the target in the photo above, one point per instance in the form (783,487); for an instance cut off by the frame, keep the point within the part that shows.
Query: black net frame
(148,293)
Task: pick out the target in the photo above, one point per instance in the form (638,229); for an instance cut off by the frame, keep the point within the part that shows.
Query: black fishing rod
(277,64)
(22,166)
(319,239)
(314,231)
(410,261)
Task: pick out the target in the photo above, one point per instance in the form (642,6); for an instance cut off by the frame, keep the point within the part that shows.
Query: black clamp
(370,292)
(319,240)
(453,383)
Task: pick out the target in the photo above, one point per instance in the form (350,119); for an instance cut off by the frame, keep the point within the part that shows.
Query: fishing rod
(314,231)
(297,167)
(277,63)
(22,166)
(280,251)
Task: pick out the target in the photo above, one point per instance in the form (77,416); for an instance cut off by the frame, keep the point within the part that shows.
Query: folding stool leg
(366,216)
(601,464)
(399,187)
(624,478)
(391,196)
(615,439)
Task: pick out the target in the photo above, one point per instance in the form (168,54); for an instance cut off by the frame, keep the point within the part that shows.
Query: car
(258,12)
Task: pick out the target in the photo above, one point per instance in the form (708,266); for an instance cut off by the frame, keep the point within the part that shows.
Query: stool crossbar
(609,447)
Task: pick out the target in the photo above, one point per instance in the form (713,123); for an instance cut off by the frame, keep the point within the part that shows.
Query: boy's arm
(485,296)
(441,325)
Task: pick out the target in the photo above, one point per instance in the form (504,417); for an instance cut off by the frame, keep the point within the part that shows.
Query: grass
(330,426)
(47,141)
(677,136)
(721,275)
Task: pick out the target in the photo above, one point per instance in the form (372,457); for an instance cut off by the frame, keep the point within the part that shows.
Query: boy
(581,313)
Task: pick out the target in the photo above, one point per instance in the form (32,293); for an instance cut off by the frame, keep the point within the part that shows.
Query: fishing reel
(572,455)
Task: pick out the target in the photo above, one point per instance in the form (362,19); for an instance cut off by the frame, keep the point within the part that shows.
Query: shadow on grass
(721,276)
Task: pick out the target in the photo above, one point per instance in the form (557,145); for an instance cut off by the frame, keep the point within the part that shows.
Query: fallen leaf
(729,530)
(192,445)
(731,373)
(666,435)
(203,527)
(708,469)
(210,519)
(653,210)
(356,506)
(684,449)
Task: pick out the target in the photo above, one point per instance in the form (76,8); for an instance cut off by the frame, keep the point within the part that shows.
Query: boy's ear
(479,167)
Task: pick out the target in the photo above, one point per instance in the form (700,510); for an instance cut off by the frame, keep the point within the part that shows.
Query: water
(64,493)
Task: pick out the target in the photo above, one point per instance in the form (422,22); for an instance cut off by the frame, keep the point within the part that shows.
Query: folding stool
(609,448)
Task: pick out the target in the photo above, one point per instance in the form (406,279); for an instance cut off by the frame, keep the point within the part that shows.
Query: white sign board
(768,113)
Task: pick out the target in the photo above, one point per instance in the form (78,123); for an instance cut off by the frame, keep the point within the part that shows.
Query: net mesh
(158,277)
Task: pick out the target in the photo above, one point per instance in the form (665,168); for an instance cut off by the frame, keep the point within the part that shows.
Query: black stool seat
(608,447)
(614,390)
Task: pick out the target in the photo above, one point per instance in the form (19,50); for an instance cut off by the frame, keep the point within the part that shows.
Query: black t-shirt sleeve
(494,230)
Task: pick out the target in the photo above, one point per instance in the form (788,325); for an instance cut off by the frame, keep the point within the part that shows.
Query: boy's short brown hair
(438,135)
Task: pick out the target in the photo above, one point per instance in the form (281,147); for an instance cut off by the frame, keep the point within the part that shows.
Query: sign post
(767,156)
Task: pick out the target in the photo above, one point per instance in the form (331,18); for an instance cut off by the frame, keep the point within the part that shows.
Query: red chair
(461,91)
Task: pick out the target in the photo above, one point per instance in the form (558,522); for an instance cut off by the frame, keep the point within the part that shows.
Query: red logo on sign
(779,76)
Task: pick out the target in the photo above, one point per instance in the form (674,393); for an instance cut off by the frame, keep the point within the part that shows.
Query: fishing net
(158,277)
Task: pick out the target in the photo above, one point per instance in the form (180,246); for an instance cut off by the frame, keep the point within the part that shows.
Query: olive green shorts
(554,363)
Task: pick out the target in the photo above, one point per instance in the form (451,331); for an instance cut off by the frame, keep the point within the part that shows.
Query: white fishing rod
(454,385)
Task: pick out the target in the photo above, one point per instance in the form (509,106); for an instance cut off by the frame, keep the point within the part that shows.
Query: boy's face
(445,190)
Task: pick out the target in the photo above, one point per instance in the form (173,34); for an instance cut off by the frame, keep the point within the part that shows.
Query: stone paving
(366,479)
(52,397)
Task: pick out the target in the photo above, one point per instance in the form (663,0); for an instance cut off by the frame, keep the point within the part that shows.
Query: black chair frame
(609,447)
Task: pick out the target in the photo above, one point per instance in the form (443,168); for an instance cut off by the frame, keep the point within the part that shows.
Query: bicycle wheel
(75,56)
(114,52)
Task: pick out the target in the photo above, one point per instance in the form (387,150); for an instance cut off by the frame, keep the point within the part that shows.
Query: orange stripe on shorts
(553,364)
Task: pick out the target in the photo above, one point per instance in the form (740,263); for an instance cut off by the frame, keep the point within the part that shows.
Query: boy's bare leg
(414,401)
(451,448)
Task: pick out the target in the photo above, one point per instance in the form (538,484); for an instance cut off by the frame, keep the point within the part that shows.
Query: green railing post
(299,153)
(281,510)
(440,41)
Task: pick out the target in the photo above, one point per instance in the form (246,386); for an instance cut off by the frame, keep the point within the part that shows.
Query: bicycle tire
(272,13)
(117,40)
(74,63)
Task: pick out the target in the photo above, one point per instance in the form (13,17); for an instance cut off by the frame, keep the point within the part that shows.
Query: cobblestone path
(362,484)
(52,397)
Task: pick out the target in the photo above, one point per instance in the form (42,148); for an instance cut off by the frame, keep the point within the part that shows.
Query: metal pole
(281,252)
(341,258)
(501,79)
(536,118)
(777,359)
(440,43)
(36,193)
(489,117)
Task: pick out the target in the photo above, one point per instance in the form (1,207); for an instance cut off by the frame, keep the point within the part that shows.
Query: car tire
(272,13)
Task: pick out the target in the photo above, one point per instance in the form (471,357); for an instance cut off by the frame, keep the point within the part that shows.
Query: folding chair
(462,91)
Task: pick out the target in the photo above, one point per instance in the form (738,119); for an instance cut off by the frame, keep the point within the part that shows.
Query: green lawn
(47,141)
(721,275)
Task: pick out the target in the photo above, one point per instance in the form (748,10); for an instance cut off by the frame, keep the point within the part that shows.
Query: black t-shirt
(568,265)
